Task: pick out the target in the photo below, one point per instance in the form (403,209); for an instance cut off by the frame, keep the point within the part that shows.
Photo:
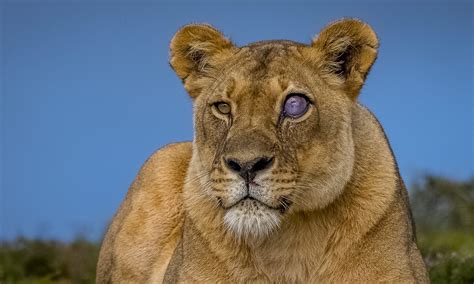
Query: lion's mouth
(282,208)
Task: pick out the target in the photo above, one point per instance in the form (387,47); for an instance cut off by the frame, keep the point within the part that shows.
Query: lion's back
(147,226)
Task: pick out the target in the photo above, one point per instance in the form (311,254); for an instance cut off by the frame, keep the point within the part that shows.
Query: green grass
(444,213)
(44,261)
(449,256)
(445,242)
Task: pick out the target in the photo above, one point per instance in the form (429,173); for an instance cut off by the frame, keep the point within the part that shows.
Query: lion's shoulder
(166,167)
(147,226)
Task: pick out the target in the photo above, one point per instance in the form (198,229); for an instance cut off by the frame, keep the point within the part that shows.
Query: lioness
(288,179)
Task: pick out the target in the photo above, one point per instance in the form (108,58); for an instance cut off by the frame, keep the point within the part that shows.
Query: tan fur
(329,208)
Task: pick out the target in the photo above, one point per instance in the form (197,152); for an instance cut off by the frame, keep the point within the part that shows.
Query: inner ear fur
(195,50)
(347,48)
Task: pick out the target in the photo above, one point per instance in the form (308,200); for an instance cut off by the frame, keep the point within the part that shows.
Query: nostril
(262,164)
(248,170)
(233,165)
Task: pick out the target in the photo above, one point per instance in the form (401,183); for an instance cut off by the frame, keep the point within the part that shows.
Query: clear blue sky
(87,94)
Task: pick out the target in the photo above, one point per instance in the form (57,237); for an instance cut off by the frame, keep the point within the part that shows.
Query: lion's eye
(223,108)
(295,105)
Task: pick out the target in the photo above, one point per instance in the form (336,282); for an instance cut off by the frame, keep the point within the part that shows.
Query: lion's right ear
(196,51)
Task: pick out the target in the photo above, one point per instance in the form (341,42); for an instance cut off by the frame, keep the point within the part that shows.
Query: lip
(281,208)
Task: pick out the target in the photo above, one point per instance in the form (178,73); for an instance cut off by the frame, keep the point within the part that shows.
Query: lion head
(272,119)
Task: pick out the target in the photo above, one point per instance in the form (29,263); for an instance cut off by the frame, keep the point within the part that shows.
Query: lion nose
(248,170)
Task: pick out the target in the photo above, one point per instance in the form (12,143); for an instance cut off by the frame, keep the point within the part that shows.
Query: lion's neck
(253,259)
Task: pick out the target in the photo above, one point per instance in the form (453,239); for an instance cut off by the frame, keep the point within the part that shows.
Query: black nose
(248,170)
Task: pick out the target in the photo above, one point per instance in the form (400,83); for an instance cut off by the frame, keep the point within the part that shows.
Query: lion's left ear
(195,51)
(347,48)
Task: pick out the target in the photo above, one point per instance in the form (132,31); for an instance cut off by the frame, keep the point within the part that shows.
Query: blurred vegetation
(44,261)
(444,216)
(443,211)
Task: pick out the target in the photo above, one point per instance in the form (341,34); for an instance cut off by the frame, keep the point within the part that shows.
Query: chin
(250,219)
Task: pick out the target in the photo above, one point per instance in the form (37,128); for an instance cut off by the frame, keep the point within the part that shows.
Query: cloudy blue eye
(295,105)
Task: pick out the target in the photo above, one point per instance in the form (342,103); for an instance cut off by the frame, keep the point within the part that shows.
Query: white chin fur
(249,219)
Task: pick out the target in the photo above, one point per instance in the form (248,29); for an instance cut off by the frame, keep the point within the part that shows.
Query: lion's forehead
(261,62)
(255,78)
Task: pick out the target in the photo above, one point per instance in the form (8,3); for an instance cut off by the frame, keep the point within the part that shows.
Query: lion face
(272,120)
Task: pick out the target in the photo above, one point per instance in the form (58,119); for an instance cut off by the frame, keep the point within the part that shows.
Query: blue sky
(87,94)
